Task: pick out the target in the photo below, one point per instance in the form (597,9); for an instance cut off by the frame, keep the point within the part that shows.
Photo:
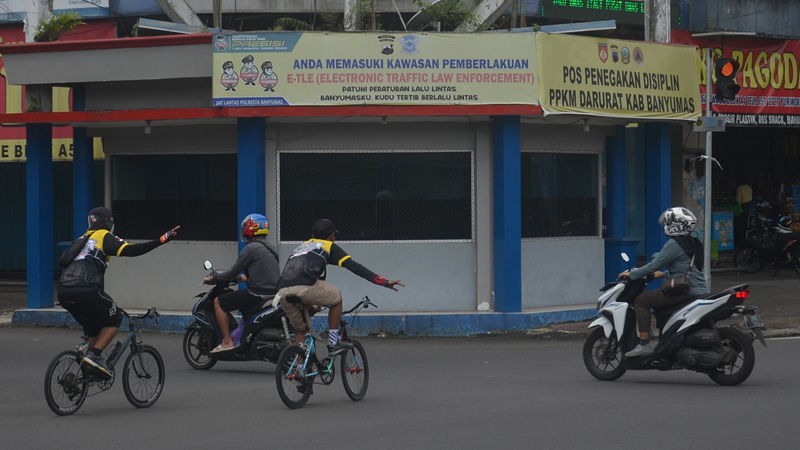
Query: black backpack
(73,250)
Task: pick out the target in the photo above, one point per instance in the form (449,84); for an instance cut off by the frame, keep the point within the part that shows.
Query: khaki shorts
(319,293)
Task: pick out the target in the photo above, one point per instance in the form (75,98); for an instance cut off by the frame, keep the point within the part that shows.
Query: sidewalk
(777,296)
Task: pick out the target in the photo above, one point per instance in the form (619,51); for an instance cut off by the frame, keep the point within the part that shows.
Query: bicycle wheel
(293,386)
(355,372)
(65,385)
(196,348)
(143,377)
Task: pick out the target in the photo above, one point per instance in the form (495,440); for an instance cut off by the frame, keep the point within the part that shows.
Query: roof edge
(97,44)
(17,119)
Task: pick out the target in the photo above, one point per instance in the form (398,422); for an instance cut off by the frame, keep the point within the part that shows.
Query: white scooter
(689,336)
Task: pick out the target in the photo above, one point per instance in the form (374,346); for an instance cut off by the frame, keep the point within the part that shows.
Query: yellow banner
(281,69)
(611,77)
(13,150)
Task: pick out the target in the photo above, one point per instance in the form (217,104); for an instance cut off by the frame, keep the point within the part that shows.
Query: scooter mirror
(207,265)
(623,255)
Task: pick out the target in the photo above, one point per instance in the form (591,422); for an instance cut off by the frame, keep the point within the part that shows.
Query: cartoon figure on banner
(248,73)
(221,43)
(229,77)
(268,78)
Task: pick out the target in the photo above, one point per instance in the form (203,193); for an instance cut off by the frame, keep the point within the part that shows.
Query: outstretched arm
(144,247)
(368,275)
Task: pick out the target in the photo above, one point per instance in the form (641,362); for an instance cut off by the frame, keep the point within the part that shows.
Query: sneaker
(640,350)
(340,347)
(97,364)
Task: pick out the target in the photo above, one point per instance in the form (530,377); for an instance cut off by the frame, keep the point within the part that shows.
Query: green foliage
(449,13)
(59,23)
(290,23)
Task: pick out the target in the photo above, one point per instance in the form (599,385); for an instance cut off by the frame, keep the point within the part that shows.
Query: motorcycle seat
(258,306)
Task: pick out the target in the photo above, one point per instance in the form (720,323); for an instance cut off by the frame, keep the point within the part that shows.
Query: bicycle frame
(310,347)
(132,341)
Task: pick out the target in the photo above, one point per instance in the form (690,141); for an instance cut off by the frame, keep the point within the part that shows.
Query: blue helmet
(254,225)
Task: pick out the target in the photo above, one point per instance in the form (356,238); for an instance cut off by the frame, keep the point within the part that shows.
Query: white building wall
(440,276)
(562,271)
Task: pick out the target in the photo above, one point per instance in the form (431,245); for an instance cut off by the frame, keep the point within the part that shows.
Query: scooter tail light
(743,294)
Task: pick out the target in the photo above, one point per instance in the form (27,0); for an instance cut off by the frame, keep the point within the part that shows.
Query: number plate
(753,321)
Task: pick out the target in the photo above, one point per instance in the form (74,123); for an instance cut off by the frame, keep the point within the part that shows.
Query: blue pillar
(507,214)
(39,214)
(251,145)
(82,176)
(616,184)
(658,186)
(617,208)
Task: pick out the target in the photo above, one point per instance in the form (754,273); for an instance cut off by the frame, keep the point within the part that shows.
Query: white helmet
(678,221)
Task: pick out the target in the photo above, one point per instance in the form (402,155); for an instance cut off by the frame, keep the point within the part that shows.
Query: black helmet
(101,218)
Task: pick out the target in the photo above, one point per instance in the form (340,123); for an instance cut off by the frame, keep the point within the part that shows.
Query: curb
(419,324)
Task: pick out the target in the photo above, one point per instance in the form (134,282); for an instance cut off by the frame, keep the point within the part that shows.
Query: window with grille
(559,195)
(377,196)
(152,193)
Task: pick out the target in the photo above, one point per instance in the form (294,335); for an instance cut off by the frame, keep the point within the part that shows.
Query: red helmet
(254,225)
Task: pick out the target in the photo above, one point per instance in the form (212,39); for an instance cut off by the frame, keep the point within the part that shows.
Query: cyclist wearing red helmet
(259,263)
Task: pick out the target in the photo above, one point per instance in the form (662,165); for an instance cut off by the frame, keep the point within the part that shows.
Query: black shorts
(94,310)
(240,299)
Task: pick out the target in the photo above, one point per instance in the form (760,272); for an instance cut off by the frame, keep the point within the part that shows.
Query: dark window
(152,193)
(559,195)
(377,196)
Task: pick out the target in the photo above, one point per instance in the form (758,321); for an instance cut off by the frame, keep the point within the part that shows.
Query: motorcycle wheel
(603,356)
(197,348)
(738,357)
(747,258)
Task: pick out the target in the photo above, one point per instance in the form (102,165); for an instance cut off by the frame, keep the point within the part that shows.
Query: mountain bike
(298,366)
(68,380)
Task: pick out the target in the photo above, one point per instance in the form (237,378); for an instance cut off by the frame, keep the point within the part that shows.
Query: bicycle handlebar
(364,303)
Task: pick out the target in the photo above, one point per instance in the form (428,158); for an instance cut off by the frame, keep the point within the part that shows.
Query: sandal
(221,349)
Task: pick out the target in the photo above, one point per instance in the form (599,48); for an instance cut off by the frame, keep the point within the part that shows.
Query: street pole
(707,193)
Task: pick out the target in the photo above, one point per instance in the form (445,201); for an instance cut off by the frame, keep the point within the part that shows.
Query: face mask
(110,226)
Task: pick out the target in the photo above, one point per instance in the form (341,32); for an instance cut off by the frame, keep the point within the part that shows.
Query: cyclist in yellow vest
(304,277)
(80,288)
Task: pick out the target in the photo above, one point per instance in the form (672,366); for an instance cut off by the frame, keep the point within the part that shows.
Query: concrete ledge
(418,324)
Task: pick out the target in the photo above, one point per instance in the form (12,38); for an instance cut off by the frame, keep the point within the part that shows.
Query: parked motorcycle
(264,332)
(690,337)
(778,246)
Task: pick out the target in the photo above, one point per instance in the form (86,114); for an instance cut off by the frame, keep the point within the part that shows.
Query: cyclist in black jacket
(80,288)
(259,263)
(304,277)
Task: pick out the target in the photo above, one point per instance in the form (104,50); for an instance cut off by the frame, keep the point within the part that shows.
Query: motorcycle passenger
(304,277)
(675,255)
(259,263)
(80,288)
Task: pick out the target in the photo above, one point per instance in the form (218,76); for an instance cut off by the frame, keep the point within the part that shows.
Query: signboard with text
(327,69)
(617,78)
(13,136)
(768,77)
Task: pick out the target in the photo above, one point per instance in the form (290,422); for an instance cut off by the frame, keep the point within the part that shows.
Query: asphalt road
(508,391)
